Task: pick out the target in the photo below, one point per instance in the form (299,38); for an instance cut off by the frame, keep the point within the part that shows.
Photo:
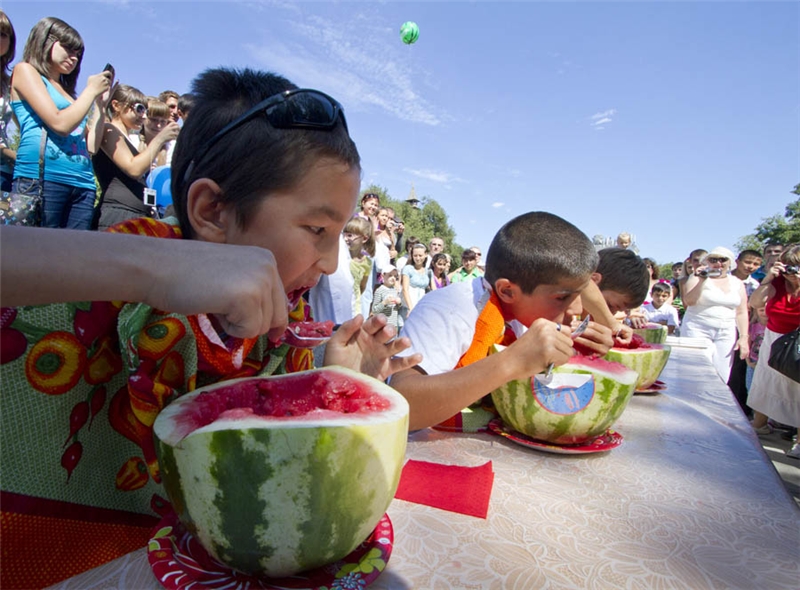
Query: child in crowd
(83,383)
(659,310)
(469,268)
(387,299)
(758,325)
(747,263)
(537,268)
(361,245)
(439,267)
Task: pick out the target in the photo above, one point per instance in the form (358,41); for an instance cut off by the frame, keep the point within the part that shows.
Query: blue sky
(678,122)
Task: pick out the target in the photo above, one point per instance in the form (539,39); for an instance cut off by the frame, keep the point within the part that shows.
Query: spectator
(716,310)
(399,232)
(361,246)
(439,269)
(8,44)
(624,240)
(692,262)
(370,203)
(119,166)
(747,263)
(469,268)
(479,264)
(170,98)
(435,246)
(659,310)
(773,394)
(416,279)
(772,252)
(387,300)
(46,105)
(159,120)
(185,104)
(403,260)
(653,272)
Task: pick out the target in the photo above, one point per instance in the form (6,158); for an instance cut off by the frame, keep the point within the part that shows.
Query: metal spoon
(548,376)
(292,335)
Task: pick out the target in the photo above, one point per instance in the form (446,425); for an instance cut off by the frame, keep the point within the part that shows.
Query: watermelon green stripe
(648,362)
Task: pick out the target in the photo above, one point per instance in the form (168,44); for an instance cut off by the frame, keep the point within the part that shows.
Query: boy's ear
(207,215)
(506,290)
(597,277)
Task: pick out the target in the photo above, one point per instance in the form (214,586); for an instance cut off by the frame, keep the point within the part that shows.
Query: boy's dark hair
(674,264)
(469,255)
(623,271)
(754,253)
(539,248)
(661,288)
(254,160)
(186,103)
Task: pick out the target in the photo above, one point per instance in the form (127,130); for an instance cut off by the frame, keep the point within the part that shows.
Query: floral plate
(604,442)
(179,562)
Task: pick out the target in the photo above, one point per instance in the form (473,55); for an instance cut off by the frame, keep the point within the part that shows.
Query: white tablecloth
(690,500)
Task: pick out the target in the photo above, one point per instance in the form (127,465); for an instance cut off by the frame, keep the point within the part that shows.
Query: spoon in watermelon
(308,334)
(577,332)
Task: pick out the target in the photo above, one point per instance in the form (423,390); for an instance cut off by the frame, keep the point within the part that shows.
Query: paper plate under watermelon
(605,442)
(179,562)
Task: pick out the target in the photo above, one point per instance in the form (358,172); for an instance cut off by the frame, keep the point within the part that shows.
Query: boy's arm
(434,398)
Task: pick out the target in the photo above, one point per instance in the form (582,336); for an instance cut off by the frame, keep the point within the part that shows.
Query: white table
(690,500)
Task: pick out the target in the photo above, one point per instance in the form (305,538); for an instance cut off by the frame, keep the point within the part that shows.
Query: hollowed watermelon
(647,359)
(278,475)
(584,398)
(653,333)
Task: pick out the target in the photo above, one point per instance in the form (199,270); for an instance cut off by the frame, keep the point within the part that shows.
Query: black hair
(754,253)
(436,258)
(254,160)
(185,103)
(469,255)
(5,60)
(39,49)
(623,271)
(661,288)
(539,248)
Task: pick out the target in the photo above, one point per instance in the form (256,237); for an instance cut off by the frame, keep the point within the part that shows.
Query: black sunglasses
(716,260)
(301,108)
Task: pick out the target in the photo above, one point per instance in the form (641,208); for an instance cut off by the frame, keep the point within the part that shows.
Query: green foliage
(665,270)
(784,229)
(429,220)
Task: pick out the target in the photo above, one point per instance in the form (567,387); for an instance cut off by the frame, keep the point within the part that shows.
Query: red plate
(179,562)
(604,442)
(656,387)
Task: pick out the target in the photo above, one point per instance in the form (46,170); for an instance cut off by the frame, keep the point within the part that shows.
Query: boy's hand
(542,344)
(623,335)
(369,347)
(597,339)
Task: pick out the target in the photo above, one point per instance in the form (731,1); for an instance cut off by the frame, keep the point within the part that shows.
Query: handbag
(784,356)
(22,209)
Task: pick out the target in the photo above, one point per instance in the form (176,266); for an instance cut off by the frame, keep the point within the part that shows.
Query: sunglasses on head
(717,260)
(140,109)
(301,108)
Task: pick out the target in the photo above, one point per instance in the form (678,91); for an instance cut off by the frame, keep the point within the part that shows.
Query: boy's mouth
(295,295)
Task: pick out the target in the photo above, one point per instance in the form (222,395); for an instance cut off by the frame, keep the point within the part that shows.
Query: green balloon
(409,32)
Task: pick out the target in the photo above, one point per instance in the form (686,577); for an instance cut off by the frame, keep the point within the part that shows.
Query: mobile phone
(109,68)
(150,197)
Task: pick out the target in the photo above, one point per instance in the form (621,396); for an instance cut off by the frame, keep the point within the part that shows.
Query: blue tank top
(66,159)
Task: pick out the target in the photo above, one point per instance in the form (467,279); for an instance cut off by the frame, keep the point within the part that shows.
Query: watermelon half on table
(278,475)
(583,400)
(647,359)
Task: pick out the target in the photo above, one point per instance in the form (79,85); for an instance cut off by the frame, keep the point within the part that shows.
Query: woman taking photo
(773,394)
(44,101)
(119,166)
(716,308)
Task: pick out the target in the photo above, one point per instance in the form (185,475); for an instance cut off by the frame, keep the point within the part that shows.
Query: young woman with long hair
(8,44)
(44,100)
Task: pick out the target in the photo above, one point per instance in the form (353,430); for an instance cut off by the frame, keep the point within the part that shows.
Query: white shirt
(665,313)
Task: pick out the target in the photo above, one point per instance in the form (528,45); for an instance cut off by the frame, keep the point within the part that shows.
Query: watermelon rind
(648,362)
(653,333)
(584,399)
(275,497)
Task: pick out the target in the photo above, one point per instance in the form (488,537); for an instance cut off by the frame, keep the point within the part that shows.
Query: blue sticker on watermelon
(565,394)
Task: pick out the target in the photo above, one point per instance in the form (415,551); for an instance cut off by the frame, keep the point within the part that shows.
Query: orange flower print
(104,364)
(133,475)
(158,338)
(55,363)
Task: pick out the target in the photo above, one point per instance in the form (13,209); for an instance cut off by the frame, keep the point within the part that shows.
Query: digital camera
(710,273)
(791,270)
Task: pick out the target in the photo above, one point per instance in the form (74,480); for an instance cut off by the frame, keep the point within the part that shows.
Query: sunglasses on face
(717,260)
(139,108)
(301,108)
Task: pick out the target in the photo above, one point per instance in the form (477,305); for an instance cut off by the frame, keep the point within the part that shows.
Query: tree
(783,229)
(425,222)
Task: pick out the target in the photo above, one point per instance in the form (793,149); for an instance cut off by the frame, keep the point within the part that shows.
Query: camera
(791,270)
(150,197)
(710,273)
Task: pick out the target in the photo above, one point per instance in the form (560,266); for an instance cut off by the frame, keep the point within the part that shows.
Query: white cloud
(434,175)
(362,71)
(497,204)
(599,120)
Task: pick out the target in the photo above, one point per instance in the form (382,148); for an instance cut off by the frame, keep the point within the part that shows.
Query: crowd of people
(285,216)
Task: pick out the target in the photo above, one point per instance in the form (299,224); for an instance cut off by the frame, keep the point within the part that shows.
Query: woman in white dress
(716,310)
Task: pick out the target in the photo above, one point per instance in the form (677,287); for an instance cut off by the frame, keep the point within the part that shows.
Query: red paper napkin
(465,490)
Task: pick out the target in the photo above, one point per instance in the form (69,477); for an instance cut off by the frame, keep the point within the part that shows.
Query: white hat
(388,268)
(719,252)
